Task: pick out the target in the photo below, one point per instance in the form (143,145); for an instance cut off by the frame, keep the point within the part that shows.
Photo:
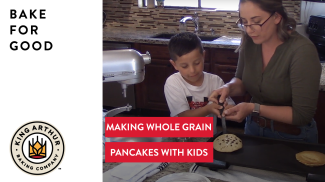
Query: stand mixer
(126,67)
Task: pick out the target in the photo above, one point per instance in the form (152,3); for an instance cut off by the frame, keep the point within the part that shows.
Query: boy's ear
(203,53)
(173,63)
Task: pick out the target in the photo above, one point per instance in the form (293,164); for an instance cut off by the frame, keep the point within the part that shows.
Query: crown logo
(37,150)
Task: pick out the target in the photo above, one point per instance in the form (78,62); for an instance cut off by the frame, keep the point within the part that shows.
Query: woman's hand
(223,92)
(239,112)
(229,106)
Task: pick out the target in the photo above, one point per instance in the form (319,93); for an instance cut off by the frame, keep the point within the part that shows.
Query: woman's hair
(272,6)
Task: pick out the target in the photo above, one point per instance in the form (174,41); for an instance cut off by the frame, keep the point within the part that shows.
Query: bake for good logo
(37,148)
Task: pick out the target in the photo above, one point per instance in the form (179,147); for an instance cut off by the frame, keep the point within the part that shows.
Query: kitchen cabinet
(150,92)
(224,63)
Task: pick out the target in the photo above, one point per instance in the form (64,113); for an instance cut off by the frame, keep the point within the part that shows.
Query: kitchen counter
(170,169)
(144,36)
(322,79)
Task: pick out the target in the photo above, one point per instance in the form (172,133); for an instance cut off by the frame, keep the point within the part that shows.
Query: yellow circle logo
(37,148)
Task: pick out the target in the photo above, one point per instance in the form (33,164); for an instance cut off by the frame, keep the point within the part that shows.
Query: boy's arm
(201,112)
(178,105)
(176,99)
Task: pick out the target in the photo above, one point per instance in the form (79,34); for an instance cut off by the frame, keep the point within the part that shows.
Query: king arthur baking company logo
(37,148)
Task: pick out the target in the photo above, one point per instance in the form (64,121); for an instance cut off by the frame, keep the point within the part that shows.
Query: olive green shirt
(291,78)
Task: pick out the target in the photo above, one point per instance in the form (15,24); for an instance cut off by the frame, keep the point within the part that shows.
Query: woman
(280,69)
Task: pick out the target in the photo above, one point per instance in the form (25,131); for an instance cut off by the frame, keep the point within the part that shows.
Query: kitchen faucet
(195,20)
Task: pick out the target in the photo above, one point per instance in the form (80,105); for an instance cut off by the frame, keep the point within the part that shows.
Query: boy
(187,91)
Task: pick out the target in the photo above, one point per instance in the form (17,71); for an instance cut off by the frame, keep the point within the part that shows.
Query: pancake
(311,158)
(227,143)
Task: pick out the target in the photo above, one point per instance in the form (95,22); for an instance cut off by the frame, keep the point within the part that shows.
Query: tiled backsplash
(127,14)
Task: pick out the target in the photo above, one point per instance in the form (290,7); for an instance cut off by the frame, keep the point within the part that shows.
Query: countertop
(144,36)
(322,78)
(170,169)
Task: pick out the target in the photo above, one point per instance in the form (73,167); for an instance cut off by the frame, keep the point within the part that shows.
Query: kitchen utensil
(188,177)
(215,165)
(223,119)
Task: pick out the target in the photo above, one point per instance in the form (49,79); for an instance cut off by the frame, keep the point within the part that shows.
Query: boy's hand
(214,108)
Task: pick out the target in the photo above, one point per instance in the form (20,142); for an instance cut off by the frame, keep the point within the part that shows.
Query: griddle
(269,154)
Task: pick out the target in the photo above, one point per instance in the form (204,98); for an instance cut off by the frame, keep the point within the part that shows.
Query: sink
(163,36)
(169,35)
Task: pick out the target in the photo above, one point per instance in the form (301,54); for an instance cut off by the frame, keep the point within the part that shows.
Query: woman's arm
(236,87)
(277,113)
(305,71)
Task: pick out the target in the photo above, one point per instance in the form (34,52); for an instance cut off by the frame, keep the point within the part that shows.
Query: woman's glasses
(254,27)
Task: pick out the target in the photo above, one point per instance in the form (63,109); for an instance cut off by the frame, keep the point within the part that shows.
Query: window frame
(144,2)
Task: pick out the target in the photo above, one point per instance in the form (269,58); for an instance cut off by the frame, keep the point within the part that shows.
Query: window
(220,4)
(204,4)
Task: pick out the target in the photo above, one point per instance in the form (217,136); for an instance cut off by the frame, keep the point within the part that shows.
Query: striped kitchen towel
(133,172)
(244,174)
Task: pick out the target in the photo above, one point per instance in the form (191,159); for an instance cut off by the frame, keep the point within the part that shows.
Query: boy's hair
(183,43)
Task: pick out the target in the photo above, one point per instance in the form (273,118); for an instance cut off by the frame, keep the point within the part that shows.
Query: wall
(127,14)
